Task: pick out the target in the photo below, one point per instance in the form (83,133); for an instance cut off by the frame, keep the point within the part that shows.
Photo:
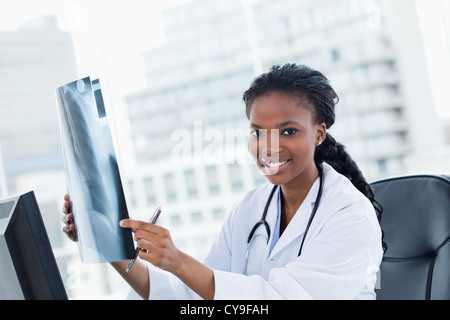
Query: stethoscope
(264,223)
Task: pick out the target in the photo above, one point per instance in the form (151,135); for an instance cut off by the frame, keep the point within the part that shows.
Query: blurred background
(173,73)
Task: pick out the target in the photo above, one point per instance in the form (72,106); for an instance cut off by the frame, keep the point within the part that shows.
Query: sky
(106,33)
(436,32)
(110,35)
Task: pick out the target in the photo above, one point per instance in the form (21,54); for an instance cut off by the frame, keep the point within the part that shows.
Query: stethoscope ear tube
(263,218)
(316,206)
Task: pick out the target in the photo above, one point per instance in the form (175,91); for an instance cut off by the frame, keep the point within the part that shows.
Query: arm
(137,277)
(159,250)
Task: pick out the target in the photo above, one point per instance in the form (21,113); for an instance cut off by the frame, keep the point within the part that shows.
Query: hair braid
(333,153)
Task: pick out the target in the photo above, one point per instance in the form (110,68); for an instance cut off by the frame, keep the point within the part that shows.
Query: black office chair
(416,225)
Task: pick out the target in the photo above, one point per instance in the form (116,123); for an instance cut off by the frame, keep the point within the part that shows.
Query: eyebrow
(280,125)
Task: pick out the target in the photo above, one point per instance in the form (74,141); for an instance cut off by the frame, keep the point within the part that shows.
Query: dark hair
(316,93)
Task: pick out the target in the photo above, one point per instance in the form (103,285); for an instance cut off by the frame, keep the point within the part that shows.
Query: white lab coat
(340,257)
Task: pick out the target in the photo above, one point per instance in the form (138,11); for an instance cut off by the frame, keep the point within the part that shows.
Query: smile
(274,167)
(274,164)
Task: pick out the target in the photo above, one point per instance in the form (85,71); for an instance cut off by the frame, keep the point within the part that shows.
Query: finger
(67,217)
(67,229)
(66,207)
(137,225)
(144,245)
(145,255)
(145,234)
(65,210)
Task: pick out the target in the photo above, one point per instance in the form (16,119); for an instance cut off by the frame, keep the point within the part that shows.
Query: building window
(335,55)
(149,189)
(235,177)
(382,166)
(191,184)
(196,217)
(218,214)
(131,185)
(175,220)
(169,185)
(213,180)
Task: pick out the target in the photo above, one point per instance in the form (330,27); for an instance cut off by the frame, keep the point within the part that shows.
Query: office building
(34,60)
(371,50)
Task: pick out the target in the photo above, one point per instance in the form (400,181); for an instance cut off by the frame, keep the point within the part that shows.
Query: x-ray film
(92,174)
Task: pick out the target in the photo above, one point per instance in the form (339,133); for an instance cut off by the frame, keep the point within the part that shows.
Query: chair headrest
(416,214)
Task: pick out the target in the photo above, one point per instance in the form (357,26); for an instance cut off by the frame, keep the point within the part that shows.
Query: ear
(321,133)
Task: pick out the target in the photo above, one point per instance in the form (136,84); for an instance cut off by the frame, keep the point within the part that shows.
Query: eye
(288,131)
(257,133)
(254,133)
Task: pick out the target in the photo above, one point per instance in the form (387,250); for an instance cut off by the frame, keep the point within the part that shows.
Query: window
(235,177)
(218,214)
(169,185)
(196,217)
(191,184)
(175,219)
(335,55)
(149,189)
(382,166)
(213,180)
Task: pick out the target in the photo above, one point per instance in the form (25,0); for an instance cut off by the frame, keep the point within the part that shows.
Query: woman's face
(283,137)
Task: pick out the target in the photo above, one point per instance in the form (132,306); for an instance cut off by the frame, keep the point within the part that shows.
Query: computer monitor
(28,268)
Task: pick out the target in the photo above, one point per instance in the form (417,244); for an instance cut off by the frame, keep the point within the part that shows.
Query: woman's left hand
(155,243)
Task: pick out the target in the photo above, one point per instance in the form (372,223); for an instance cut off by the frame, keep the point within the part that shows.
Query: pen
(152,220)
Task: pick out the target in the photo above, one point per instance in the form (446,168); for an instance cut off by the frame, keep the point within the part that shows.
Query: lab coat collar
(296,227)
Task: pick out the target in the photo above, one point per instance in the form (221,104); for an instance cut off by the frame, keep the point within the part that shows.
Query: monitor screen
(28,268)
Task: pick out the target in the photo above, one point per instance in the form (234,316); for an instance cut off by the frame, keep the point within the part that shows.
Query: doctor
(310,233)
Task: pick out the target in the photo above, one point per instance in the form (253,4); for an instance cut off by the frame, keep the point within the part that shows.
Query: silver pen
(152,220)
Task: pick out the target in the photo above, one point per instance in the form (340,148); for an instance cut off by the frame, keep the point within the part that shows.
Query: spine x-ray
(92,174)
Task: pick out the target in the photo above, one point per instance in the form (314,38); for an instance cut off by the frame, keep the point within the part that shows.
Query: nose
(269,144)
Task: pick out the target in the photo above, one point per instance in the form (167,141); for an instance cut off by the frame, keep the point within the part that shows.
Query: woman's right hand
(69,226)
(138,277)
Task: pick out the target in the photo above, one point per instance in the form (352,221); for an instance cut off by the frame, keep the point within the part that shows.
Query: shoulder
(344,204)
(340,193)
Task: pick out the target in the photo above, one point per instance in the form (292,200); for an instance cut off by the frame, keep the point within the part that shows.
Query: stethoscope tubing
(314,210)
(263,221)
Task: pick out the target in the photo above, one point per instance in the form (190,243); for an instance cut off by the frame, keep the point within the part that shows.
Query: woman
(290,109)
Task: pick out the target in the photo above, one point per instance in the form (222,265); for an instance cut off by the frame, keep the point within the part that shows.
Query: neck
(294,193)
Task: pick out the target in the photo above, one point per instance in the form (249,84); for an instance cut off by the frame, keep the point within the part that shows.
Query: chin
(278,179)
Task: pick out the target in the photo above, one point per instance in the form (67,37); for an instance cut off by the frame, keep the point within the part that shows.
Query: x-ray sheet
(92,174)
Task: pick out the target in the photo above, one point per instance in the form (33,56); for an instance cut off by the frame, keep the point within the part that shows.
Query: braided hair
(316,94)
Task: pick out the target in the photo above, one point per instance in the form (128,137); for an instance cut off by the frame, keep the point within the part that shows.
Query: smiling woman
(290,109)
(294,105)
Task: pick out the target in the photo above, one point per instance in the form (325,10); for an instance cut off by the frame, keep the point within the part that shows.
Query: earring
(319,143)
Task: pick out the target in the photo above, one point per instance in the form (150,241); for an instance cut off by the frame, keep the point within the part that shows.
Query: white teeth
(273,164)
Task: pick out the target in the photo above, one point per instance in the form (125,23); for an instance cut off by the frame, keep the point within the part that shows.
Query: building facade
(35,60)
(371,51)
